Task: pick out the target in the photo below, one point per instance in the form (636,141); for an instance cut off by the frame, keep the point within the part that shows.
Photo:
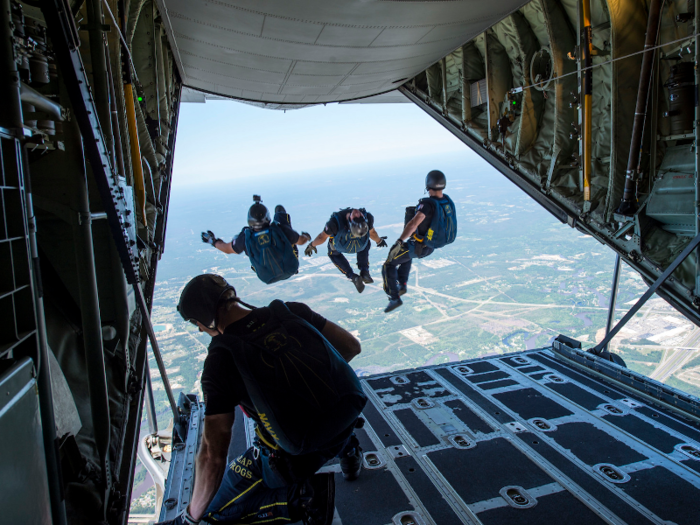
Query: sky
(222,141)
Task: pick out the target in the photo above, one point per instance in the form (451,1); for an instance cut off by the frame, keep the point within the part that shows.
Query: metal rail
(91,320)
(65,41)
(48,422)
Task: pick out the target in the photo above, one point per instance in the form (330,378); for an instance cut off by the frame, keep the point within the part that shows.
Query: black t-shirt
(238,242)
(427,207)
(222,384)
(332,225)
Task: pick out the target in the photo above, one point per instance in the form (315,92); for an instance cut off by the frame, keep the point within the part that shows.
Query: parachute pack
(271,255)
(443,226)
(343,241)
(307,397)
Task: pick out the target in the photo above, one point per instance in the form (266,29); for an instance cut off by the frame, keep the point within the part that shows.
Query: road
(677,357)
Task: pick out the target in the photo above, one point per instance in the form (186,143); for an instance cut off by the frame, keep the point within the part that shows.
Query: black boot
(358,282)
(351,464)
(318,496)
(393,305)
(366,277)
(403,289)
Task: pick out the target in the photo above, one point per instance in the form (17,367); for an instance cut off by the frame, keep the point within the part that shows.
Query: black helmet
(358,226)
(258,215)
(201,298)
(435,180)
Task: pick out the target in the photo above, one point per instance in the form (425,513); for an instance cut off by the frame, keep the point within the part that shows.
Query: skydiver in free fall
(271,245)
(428,226)
(349,231)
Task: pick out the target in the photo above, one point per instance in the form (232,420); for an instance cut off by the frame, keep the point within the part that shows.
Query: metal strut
(613,298)
(156,351)
(600,348)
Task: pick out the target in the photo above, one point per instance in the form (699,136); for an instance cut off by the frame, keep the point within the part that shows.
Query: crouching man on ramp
(287,368)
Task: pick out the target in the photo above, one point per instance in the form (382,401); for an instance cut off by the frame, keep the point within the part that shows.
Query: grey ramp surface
(441,482)
(456,459)
(315,51)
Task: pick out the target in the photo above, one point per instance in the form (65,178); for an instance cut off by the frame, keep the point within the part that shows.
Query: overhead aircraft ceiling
(315,51)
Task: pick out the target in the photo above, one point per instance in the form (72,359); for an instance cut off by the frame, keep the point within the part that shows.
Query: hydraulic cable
(627,205)
(130,103)
(125,46)
(520,89)
(100,88)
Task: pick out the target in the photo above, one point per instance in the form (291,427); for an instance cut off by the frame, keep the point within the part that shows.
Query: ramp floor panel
(520,439)
(586,421)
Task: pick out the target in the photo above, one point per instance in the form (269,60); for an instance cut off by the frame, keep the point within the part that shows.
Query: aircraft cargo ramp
(527,438)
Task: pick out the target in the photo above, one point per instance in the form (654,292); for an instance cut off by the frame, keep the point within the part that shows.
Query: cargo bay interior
(557,95)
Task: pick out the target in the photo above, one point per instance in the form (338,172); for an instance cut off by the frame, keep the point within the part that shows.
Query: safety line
(520,89)
(121,37)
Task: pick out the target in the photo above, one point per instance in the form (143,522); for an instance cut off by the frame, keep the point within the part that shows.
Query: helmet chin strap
(238,300)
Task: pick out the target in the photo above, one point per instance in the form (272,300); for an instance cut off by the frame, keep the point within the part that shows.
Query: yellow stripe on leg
(241,494)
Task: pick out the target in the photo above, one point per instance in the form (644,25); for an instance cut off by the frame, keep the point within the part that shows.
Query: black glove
(307,235)
(182,519)
(209,238)
(310,249)
(396,248)
(382,243)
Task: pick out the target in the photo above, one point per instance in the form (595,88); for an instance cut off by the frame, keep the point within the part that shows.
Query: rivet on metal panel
(611,473)
(399,380)
(514,426)
(631,403)
(398,451)
(170,503)
(517,497)
(521,360)
(464,370)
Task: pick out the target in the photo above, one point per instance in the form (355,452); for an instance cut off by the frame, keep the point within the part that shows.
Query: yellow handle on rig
(139,184)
